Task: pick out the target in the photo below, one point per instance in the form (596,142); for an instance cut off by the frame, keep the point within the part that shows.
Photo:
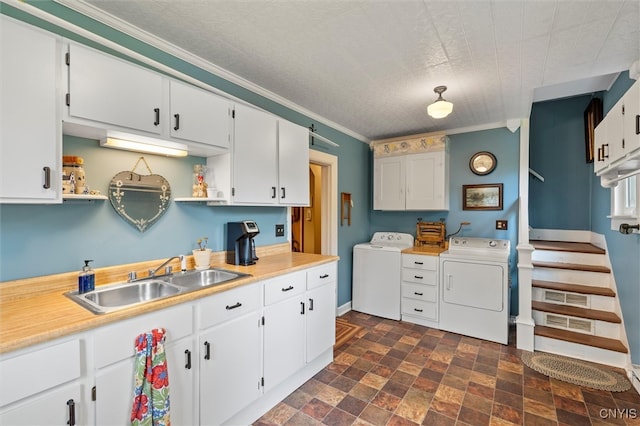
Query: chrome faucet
(168,269)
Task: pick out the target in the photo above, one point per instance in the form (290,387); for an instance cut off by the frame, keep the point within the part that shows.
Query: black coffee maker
(241,249)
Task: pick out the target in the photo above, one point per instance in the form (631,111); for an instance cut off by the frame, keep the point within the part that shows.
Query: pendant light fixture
(440,108)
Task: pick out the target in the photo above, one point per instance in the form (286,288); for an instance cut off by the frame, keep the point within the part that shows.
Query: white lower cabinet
(420,303)
(284,327)
(230,355)
(44,386)
(114,357)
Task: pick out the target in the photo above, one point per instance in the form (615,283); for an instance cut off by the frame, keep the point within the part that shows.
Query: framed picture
(592,117)
(482,197)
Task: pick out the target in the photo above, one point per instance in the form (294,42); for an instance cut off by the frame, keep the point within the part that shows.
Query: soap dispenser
(86,278)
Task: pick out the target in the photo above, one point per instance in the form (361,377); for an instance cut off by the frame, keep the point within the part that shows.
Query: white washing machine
(377,271)
(474,282)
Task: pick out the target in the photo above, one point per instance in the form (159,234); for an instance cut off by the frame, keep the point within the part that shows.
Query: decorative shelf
(209,201)
(83,198)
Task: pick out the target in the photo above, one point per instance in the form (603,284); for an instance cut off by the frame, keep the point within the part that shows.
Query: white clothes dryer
(377,271)
(474,282)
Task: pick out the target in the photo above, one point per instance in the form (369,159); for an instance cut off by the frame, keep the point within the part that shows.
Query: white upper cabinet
(293,164)
(389,183)
(110,90)
(411,173)
(255,168)
(30,127)
(199,116)
(108,96)
(631,123)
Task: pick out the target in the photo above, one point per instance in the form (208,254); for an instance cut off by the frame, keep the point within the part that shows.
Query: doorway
(314,228)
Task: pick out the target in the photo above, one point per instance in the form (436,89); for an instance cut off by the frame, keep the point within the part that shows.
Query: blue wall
(557,152)
(506,147)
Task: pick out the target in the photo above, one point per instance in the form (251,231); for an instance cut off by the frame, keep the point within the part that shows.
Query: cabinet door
(632,118)
(284,340)
(615,134)
(389,183)
(230,368)
(198,115)
(56,407)
(30,126)
(600,139)
(254,157)
(293,164)
(110,90)
(321,320)
(426,182)
(115,384)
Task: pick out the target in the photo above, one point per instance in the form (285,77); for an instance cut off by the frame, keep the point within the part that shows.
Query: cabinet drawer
(419,261)
(321,275)
(420,276)
(283,287)
(427,293)
(418,308)
(36,371)
(229,304)
(115,342)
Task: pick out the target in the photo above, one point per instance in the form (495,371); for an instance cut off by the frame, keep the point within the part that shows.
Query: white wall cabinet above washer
(411,182)
(30,129)
(105,93)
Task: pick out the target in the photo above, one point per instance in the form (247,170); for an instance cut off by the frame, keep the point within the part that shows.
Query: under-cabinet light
(156,147)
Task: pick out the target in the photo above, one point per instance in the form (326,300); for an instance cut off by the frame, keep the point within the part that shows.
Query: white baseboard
(343,309)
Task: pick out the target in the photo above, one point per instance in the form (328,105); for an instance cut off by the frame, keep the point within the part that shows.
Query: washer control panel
(392,239)
(479,246)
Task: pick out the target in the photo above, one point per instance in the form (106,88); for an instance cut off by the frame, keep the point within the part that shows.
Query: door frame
(329,207)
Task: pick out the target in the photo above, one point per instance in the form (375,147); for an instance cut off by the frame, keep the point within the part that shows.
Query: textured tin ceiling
(371,66)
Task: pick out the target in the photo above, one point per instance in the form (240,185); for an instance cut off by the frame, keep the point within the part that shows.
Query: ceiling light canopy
(440,108)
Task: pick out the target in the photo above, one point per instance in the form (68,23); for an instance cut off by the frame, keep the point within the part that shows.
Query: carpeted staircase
(574,305)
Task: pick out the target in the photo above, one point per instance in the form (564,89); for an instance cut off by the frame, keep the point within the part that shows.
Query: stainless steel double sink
(113,297)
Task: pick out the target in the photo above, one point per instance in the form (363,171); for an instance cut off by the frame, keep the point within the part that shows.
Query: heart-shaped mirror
(139,199)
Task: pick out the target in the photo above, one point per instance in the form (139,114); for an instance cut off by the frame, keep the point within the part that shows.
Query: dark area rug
(575,371)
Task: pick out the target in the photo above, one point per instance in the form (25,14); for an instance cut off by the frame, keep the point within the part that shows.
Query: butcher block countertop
(426,250)
(35,310)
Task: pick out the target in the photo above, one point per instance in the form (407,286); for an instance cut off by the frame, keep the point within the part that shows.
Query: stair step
(571,266)
(575,311)
(583,339)
(574,288)
(566,246)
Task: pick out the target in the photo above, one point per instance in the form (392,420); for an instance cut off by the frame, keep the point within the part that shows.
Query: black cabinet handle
(301,308)
(605,155)
(47,177)
(419,263)
(237,305)
(283,192)
(287,288)
(207,350)
(273,192)
(324,276)
(418,294)
(418,277)
(311,304)
(72,412)
(177,117)
(187,354)
(637,124)
(417,310)
(157,112)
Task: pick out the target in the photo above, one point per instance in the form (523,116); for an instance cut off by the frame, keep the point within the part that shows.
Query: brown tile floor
(396,373)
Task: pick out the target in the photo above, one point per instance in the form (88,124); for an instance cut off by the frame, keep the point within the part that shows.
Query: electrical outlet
(501,225)
(279,230)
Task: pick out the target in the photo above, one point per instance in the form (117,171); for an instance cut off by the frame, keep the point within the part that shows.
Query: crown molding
(146,37)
